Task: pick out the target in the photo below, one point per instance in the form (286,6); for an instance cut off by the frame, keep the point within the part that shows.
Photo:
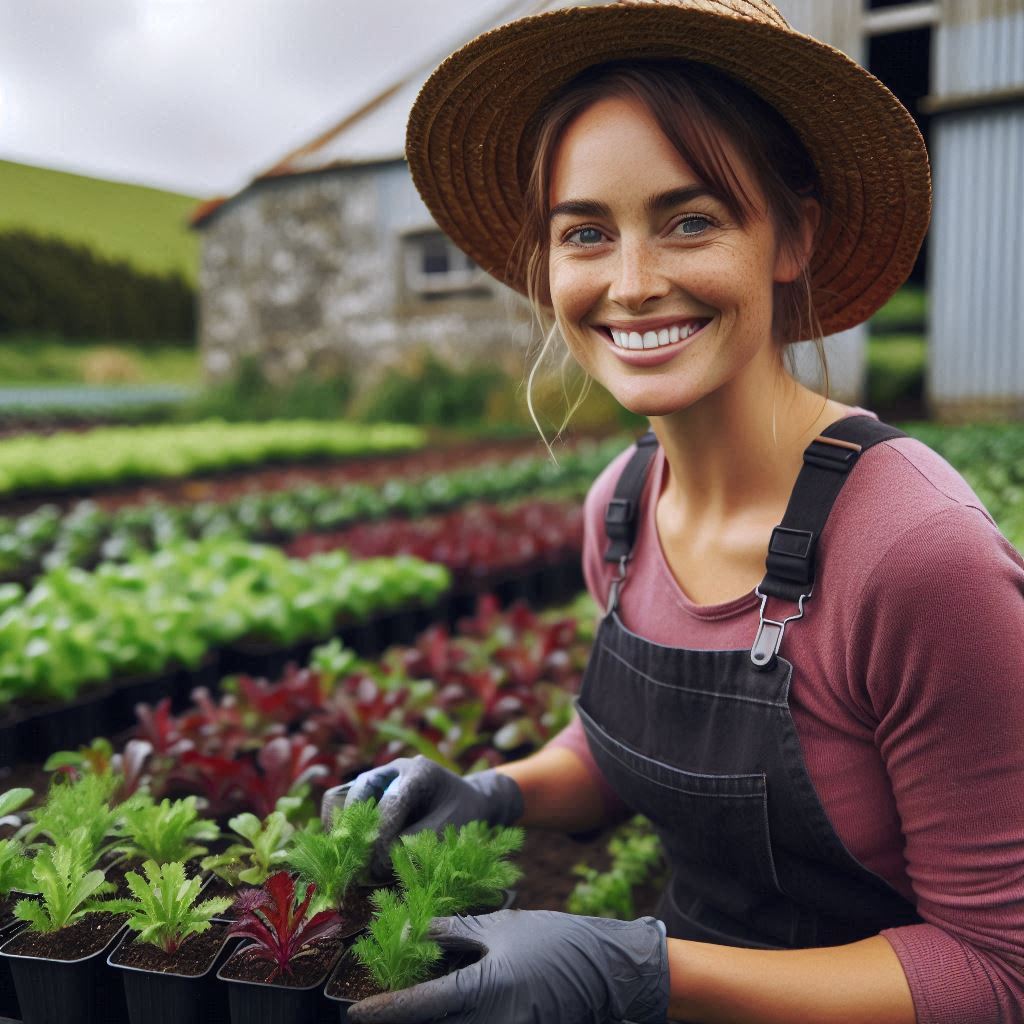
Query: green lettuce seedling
(266,846)
(332,860)
(163,832)
(81,804)
(464,869)
(635,856)
(396,950)
(65,885)
(164,911)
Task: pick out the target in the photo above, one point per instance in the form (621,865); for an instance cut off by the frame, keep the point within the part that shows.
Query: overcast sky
(199,95)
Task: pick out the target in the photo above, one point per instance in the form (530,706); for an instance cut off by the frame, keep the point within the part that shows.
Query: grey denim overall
(703,744)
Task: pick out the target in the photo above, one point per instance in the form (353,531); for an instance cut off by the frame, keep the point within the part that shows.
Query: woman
(830,750)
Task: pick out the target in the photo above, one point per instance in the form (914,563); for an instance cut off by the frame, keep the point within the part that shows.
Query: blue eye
(584,236)
(696,224)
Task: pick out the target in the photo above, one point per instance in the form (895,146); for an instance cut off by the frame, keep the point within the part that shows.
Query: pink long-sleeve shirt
(908,699)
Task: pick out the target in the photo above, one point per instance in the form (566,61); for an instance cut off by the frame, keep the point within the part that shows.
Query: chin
(643,403)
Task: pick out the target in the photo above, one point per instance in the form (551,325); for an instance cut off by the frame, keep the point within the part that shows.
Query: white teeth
(653,339)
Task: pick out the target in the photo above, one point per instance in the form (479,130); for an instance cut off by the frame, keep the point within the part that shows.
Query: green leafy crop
(332,860)
(82,805)
(464,869)
(636,855)
(65,885)
(396,951)
(265,846)
(164,911)
(163,832)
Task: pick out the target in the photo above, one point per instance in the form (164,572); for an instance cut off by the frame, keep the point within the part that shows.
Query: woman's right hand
(415,793)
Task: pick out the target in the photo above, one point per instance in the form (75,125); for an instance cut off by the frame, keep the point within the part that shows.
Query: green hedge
(49,286)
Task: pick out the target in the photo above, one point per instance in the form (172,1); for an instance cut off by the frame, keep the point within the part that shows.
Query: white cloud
(199,95)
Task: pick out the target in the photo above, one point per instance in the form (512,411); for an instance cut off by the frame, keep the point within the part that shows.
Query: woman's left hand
(537,965)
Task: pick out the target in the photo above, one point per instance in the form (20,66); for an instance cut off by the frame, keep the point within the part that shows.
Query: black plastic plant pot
(164,997)
(269,1003)
(66,990)
(263,657)
(10,738)
(8,994)
(46,728)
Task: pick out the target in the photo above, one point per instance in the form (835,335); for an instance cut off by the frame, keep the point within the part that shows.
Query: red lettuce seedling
(278,925)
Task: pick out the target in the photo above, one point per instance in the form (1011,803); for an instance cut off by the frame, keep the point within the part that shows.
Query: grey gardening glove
(538,965)
(415,793)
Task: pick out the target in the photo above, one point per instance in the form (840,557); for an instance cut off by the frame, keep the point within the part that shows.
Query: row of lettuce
(86,534)
(115,455)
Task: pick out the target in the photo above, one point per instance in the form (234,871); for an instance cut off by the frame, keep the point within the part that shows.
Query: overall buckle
(769,633)
(616,586)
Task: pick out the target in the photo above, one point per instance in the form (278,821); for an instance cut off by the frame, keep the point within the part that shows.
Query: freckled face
(661,295)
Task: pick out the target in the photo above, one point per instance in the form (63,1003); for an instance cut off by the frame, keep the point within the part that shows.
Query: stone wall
(305,274)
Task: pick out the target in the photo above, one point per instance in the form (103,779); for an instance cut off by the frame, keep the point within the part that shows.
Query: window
(435,267)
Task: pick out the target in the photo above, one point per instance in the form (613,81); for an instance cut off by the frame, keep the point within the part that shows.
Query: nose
(637,276)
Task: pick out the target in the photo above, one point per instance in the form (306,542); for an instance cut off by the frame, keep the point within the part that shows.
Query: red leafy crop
(292,698)
(277,923)
(160,728)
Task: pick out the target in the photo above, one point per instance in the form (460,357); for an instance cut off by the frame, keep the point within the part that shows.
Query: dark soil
(356,912)
(84,938)
(307,969)
(194,957)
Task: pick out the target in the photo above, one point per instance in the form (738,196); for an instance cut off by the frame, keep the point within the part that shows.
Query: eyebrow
(655,204)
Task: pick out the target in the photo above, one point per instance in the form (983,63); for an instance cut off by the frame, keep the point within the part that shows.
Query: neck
(723,462)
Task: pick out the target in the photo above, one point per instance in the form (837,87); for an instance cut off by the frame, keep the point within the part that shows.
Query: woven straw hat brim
(472,133)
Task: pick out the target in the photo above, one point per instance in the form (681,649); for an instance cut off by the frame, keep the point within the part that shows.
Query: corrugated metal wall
(976,286)
(837,22)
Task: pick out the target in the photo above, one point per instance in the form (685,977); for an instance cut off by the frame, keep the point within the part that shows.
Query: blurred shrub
(111,366)
(49,286)
(895,370)
(430,393)
(250,396)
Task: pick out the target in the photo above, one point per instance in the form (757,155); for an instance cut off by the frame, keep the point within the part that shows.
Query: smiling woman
(684,188)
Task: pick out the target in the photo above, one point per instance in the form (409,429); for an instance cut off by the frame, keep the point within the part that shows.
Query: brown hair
(692,104)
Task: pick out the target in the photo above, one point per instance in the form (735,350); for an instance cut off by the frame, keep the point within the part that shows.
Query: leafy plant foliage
(463,870)
(81,807)
(64,883)
(163,832)
(332,860)
(265,846)
(164,911)
(636,857)
(396,951)
(280,923)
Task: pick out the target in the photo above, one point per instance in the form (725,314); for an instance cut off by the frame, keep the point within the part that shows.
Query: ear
(789,263)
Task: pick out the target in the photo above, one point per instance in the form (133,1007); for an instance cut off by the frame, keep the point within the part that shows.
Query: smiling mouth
(660,338)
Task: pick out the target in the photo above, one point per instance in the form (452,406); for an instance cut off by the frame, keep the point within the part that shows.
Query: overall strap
(620,517)
(828,460)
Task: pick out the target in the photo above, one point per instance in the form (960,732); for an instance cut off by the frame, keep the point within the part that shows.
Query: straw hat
(472,131)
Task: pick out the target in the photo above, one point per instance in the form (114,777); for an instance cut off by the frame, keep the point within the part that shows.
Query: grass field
(47,361)
(144,226)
